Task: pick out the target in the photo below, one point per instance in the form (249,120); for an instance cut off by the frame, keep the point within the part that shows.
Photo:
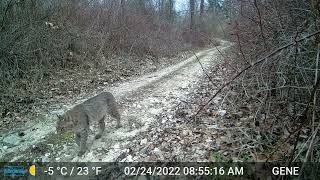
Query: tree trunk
(192,2)
(142,5)
(122,10)
(201,8)
(170,10)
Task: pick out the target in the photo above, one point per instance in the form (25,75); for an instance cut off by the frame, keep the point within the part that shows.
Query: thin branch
(240,49)
(314,104)
(255,63)
(9,5)
(260,22)
(303,119)
(205,72)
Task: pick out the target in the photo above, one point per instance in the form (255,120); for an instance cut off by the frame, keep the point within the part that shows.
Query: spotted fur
(79,118)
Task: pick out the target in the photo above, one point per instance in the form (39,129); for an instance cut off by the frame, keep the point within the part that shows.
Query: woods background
(59,48)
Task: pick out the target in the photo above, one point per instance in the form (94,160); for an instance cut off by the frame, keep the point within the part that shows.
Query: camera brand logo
(14,171)
(19,170)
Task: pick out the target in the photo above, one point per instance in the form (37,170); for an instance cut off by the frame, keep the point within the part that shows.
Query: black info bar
(157,170)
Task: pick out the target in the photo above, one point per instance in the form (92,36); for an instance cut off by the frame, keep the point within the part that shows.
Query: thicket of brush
(40,38)
(283,86)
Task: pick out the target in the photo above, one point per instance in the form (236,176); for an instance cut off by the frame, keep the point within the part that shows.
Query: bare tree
(214,5)
(201,7)
(192,5)
(122,9)
(171,9)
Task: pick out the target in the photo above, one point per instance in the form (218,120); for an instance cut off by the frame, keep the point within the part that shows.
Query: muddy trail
(141,100)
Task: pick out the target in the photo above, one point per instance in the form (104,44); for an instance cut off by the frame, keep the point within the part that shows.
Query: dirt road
(140,99)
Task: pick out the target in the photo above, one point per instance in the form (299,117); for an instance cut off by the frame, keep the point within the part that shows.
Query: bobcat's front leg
(116,115)
(78,135)
(83,142)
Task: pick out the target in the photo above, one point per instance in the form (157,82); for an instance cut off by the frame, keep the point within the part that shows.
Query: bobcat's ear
(59,117)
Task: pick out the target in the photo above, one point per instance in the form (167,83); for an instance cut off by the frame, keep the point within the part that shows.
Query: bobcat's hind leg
(102,126)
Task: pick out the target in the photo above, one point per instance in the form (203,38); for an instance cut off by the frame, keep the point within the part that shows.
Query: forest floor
(153,127)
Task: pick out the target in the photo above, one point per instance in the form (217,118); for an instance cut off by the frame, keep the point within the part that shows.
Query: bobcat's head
(64,124)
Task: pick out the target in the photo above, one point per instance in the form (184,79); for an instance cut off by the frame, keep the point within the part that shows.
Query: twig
(310,149)
(215,46)
(205,72)
(9,5)
(303,146)
(240,49)
(283,87)
(303,119)
(260,23)
(255,63)
(314,104)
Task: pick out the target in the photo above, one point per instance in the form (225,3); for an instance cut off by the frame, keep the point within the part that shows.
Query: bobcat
(78,118)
